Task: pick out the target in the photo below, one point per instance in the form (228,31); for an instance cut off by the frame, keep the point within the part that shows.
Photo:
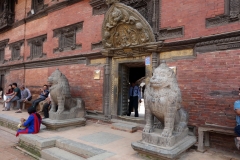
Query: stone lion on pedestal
(62,104)
(163,100)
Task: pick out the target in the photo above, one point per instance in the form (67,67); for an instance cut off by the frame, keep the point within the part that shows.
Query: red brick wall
(192,14)
(199,78)
(80,79)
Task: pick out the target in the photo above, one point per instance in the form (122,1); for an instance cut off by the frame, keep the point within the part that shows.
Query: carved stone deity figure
(63,106)
(163,101)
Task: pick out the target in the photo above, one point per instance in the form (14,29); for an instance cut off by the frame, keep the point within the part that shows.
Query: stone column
(106,89)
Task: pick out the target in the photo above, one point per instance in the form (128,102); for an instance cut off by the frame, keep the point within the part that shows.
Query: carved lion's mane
(165,84)
(59,80)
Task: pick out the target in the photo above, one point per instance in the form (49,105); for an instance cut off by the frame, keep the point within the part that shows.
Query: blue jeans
(8,104)
(237,130)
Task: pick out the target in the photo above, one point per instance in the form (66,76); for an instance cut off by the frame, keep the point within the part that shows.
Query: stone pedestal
(63,124)
(155,138)
(161,152)
(66,114)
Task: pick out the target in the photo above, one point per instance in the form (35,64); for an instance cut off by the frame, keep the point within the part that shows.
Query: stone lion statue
(163,100)
(61,96)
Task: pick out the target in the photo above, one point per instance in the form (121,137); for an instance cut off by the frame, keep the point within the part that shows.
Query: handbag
(30,98)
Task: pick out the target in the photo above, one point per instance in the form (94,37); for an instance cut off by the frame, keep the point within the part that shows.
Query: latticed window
(16,53)
(37,5)
(67,37)
(36,47)
(2,54)
(234,8)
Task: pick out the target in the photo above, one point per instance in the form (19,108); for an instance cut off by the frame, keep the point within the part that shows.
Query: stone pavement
(100,135)
(8,151)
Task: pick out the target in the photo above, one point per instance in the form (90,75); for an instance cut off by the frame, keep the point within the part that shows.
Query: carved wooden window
(67,37)
(36,47)
(3,45)
(149,9)
(16,50)
(37,5)
(2,54)
(231,14)
(7,8)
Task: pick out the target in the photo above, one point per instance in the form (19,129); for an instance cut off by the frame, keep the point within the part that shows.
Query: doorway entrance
(128,73)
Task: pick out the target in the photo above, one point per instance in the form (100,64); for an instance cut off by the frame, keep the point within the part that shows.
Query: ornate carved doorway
(127,39)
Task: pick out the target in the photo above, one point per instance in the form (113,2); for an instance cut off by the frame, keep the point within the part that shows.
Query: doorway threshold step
(125,127)
(59,154)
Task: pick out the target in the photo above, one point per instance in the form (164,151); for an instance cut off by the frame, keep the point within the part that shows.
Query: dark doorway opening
(128,73)
(136,73)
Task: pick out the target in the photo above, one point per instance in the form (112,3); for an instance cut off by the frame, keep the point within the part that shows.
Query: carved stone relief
(36,47)
(124,28)
(67,37)
(97,45)
(16,50)
(170,33)
(218,44)
(3,45)
(232,14)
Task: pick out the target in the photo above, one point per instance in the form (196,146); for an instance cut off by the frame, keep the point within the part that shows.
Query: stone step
(77,148)
(59,154)
(125,127)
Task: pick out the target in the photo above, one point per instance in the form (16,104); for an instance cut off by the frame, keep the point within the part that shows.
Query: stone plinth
(63,124)
(155,138)
(65,115)
(164,153)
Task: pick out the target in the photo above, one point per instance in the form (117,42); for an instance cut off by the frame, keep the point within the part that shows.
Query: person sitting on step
(32,124)
(43,95)
(1,92)
(16,95)
(8,94)
(237,128)
(26,96)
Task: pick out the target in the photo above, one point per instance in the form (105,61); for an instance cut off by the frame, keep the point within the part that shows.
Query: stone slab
(59,154)
(125,127)
(12,122)
(63,124)
(155,138)
(101,138)
(77,148)
(164,152)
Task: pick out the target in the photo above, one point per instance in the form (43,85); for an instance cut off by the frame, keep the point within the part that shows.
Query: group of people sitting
(32,124)
(22,95)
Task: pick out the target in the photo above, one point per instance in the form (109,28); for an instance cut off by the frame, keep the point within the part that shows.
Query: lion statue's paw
(180,127)
(166,132)
(60,111)
(148,129)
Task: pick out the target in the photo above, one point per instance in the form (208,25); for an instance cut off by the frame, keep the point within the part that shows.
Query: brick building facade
(200,39)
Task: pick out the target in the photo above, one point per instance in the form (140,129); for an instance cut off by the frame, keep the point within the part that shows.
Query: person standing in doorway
(134,97)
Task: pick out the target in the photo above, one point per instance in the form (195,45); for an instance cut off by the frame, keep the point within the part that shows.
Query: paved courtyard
(99,135)
(7,147)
